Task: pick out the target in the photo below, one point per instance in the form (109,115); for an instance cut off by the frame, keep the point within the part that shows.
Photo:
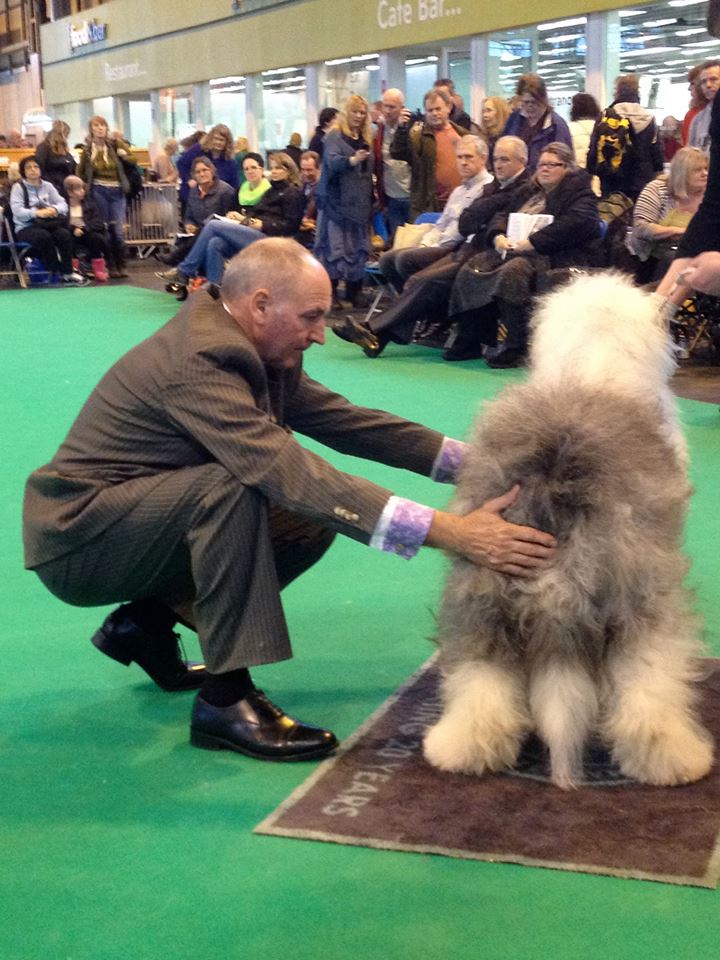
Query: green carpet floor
(121,842)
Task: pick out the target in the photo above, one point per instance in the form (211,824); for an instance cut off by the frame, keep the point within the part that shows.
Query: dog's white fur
(604,641)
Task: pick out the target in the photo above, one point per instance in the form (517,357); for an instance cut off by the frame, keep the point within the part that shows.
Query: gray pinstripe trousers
(200,535)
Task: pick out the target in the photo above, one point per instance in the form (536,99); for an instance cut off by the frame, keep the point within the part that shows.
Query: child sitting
(87,227)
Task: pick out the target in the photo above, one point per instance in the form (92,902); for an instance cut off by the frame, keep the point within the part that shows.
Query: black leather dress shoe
(158,654)
(256,727)
(509,357)
(353,331)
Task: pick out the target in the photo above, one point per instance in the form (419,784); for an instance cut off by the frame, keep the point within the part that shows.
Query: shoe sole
(207,741)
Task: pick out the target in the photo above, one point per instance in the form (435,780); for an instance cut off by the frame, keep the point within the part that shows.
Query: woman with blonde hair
(344,199)
(663,211)
(164,165)
(101,167)
(494,116)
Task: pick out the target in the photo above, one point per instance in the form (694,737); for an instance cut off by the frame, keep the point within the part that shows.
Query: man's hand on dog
(486,539)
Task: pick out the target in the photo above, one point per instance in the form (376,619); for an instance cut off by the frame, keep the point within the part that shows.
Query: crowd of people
(521,197)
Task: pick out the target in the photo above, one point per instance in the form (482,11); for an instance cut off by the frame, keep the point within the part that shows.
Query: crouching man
(181,489)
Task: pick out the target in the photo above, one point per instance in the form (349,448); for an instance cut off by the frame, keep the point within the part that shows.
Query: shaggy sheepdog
(604,641)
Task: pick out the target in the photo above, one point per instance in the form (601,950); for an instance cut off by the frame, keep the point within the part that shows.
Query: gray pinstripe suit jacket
(197,392)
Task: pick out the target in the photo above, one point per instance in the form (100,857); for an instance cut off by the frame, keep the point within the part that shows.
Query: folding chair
(382,286)
(7,242)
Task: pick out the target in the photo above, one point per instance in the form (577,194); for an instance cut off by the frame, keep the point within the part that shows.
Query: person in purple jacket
(535,121)
(217,145)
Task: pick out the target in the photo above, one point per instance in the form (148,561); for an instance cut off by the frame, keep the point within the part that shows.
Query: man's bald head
(276,264)
(393,100)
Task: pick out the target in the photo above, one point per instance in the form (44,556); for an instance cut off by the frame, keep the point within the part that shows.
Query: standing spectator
(310,177)
(584,114)
(294,148)
(458,116)
(642,158)
(102,170)
(670,137)
(40,217)
(534,120)
(325,122)
(242,148)
(16,141)
(164,166)
(392,177)
(697,101)
(184,164)
(494,116)
(87,227)
(429,148)
(53,155)
(344,194)
(709,83)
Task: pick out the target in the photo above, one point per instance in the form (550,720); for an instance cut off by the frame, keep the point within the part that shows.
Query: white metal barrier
(152,218)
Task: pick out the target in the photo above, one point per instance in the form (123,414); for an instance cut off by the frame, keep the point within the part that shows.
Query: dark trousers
(92,243)
(50,243)
(425,296)
(703,232)
(398,265)
(200,535)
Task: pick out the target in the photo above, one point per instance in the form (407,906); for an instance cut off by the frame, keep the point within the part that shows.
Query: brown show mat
(378,791)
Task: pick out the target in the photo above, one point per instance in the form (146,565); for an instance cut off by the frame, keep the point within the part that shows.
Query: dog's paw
(459,750)
(672,756)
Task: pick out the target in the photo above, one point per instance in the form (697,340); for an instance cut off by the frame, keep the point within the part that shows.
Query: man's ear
(259,302)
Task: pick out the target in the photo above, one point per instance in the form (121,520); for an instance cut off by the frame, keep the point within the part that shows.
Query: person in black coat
(643,158)
(53,155)
(499,282)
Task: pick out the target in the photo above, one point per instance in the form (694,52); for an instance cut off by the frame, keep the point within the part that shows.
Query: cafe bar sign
(90,31)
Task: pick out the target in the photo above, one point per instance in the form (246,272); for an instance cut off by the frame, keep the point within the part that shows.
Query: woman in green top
(256,184)
(101,168)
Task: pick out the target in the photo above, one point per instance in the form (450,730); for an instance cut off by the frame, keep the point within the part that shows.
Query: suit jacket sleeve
(219,410)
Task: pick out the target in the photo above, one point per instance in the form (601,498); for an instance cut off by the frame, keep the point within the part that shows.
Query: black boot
(354,294)
(116,265)
(515,317)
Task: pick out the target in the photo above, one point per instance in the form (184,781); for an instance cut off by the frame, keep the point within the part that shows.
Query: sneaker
(171,276)
(75,279)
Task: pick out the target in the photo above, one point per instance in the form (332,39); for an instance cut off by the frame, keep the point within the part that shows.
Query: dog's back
(597,471)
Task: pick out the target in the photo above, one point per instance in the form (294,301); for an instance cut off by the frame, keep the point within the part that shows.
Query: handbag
(134,176)
(410,235)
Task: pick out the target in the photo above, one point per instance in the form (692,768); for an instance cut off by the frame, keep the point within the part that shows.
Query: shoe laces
(275,710)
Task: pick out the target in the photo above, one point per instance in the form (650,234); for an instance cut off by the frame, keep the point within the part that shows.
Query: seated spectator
(663,211)
(494,116)
(16,141)
(40,218)
(277,214)
(310,176)
(422,294)
(255,184)
(87,228)
(670,132)
(642,158)
(534,120)
(164,165)
(208,197)
(53,154)
(500,282)
(216,145)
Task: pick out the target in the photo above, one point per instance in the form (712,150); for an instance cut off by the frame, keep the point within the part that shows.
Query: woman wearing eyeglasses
(534,120)
(497,285)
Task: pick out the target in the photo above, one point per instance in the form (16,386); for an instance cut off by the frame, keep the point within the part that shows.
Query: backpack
(614,143)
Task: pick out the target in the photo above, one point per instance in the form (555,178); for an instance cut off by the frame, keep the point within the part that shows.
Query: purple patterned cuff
(449,460)
(402,527)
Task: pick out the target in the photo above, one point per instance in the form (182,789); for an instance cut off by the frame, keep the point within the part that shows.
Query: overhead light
(565,38)
(360,58)
(685,3)
(632,13)
(267,73)
(690,31)
(372,66)
(575,22)
(702,44)
(659,23)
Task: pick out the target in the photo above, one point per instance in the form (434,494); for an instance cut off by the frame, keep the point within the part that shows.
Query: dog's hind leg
(651,721)
(564,708)
(484,720)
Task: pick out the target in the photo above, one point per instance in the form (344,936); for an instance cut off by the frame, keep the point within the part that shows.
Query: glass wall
(283,107)
(176,113)
(227,104)
(420,75)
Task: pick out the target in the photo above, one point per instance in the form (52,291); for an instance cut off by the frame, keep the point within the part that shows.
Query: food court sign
(90,31)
